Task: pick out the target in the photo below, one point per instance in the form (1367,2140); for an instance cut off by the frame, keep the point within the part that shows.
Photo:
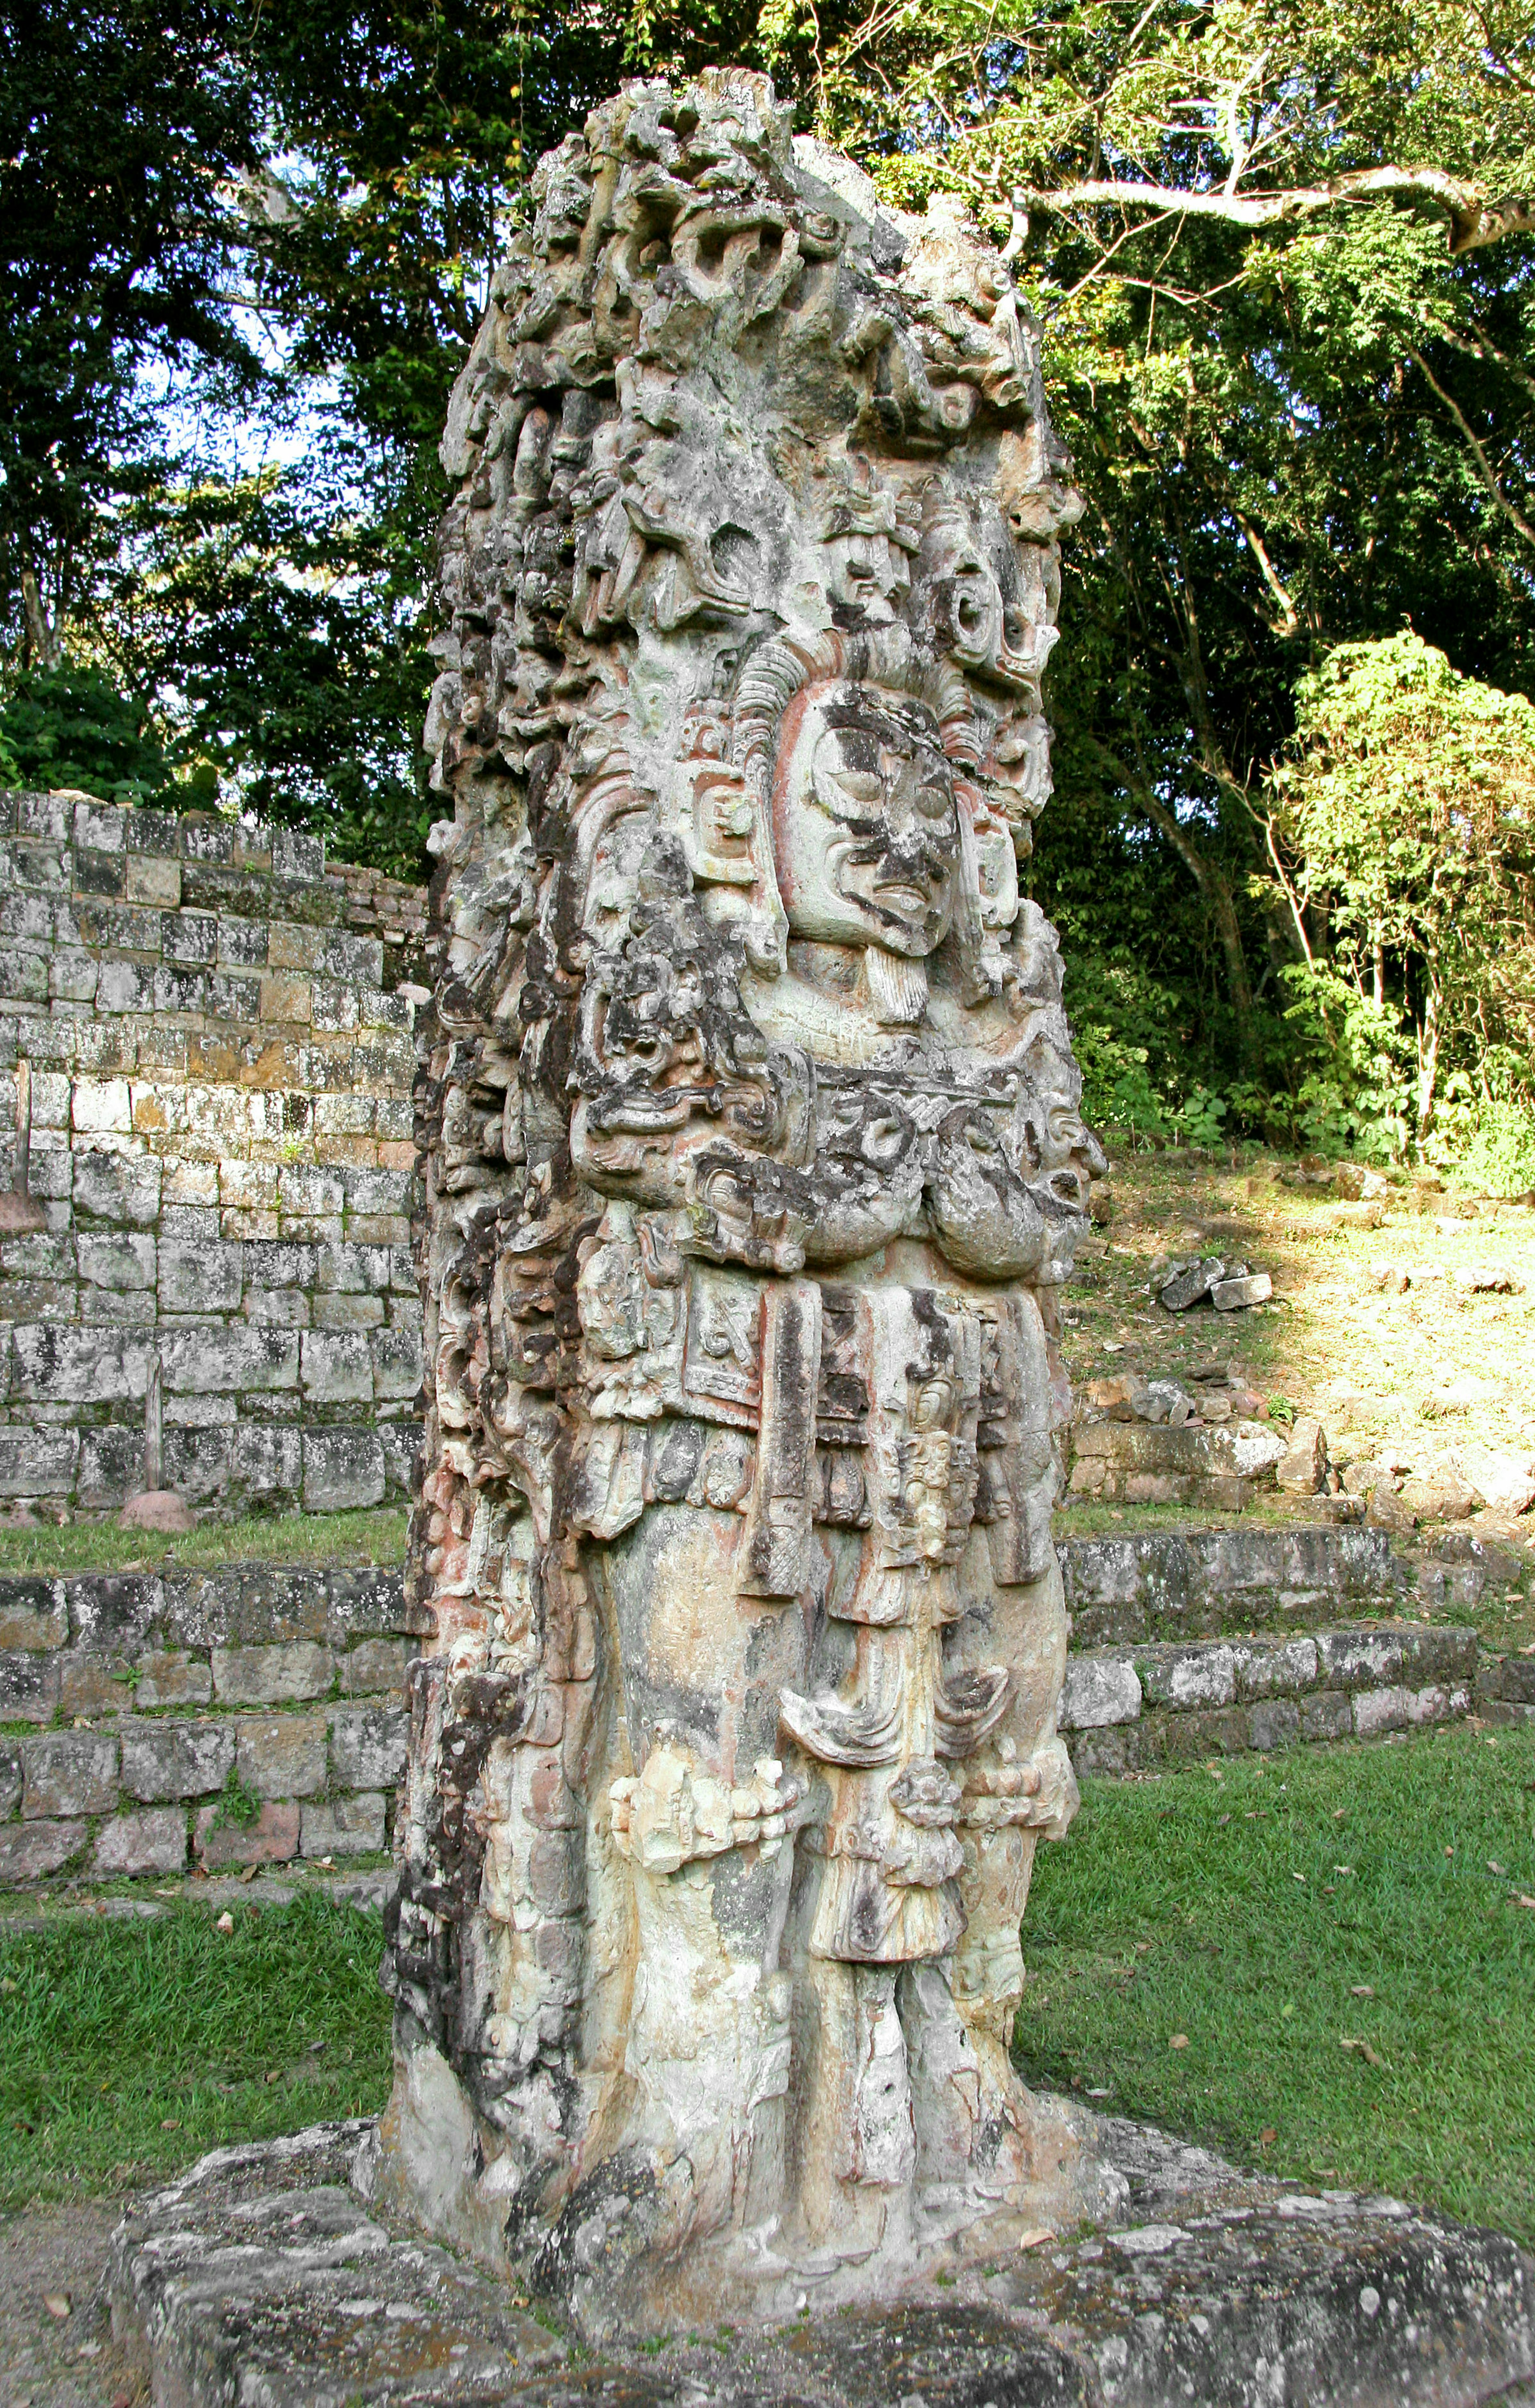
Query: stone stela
(755,1168)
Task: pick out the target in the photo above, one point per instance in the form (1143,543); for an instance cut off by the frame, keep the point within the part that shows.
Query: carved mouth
(904,897)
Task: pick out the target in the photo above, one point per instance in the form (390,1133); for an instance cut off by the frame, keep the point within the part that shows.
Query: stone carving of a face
(865,832)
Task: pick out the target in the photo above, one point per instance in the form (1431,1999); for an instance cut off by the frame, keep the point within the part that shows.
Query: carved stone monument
(753,1169)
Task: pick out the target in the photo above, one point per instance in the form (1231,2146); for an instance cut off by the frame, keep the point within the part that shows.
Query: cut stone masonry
(251,1715)
(218,1031)
(221,1719)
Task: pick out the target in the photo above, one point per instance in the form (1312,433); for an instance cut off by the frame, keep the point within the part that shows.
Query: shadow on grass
(129,2047)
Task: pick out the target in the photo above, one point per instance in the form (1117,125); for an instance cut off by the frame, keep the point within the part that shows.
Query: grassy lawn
(1214,1910)
(127,2048)
(372,1537)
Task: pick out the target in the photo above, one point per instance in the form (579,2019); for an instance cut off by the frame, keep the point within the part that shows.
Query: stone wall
(1127,1711)
(127,1702)
(218,1719)
(219,1037)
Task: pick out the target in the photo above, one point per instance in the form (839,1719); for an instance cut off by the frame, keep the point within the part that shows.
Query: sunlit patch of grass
(1221,1911)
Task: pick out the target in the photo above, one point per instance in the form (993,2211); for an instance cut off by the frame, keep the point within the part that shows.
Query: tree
(1403,819)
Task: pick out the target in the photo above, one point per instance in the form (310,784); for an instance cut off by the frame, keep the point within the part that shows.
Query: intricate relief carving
(754,1166)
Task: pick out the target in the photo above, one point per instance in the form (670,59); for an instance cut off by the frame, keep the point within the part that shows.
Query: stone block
(373,1665)
(153,1842)
(94,1684)
(1189,1677)
(37,1463)
(111,1465)
(10,1780)
(196,1460)
(68,1772)
(342,1468)
(1275,1722)
(1303,1467)
(374,1192)
(345,1826)
(99,827)
(1326,1715)
(398,1367)
(171,1676)
(124,987)
(1235,1294)
(122,1260)
(78,1367)
(153,832)
(23,973)
(1181,1738)
(113,1611)
(175,1759)
(72,977)
(268,1676)
(226,1360)
(200,1278)
(368,1746)
(150,880)
(401,1442)
(33,1614)
(337,1366)
(308,1192)
(266,1462)
(272,1839)
(29,1687)
(295,854)
(1098,1689)
(1359,1659)
(371,1603)
(191,938)
(242,946)
(1382,1709)
(1109,1752)
(355,1313)
(1268,1669)
(281,1756)
(30,1852)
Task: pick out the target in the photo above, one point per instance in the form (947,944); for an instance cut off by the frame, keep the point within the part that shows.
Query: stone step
(260,2277)
(1129,1708)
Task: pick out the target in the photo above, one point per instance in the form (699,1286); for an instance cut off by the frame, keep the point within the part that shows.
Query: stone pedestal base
(261,2275)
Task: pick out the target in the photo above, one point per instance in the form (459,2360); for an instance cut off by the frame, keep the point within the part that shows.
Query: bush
(71,727)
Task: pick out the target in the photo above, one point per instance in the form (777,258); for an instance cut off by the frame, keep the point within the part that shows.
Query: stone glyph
(756,1165)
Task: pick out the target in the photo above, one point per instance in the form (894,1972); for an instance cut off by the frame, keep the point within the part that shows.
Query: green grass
(128,2047)
(372,1537)
(1173,1907)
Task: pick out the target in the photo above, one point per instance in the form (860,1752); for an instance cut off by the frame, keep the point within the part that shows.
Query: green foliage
(1215,1909)
(239,1805)
(1404,821)
(72,727)
(128,2047)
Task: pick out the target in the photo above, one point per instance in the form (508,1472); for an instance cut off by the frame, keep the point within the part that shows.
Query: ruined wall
(218,1031)
(236,1717)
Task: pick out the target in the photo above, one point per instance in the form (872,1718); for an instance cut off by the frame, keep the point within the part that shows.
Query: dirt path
(52,2362)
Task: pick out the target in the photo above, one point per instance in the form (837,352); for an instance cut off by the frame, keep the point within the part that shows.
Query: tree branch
(1484,467)
(1474,223)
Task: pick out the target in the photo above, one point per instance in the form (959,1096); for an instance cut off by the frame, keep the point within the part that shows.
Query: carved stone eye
(933,802)
(861,785)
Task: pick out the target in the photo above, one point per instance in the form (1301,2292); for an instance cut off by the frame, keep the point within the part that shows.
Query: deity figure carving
(754,1166)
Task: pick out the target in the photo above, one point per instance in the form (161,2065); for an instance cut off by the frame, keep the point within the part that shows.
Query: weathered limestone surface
(293,1746)
(754,1170)
(218,1034)
(269,2274)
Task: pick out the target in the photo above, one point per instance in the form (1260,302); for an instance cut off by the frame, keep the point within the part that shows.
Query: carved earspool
(755,1167)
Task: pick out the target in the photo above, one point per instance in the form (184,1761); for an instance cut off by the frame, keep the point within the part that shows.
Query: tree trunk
(1429,1033)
